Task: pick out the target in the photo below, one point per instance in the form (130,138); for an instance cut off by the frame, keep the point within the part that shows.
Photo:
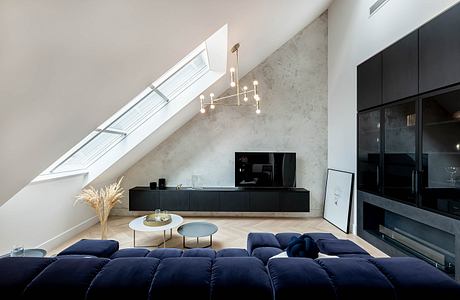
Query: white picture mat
(337,198)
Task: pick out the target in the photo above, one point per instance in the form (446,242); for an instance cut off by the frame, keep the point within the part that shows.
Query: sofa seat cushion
(182,278)
(264,253)
(199,252)
(99,248)
(321,236)
(67,279)
(285,237)
(413,278)
(124,278)
(130,252)
(357,279)
(232,252)
(297,276)
(337,247)
(162,253)
(259,239)
(240,278)
(17,273)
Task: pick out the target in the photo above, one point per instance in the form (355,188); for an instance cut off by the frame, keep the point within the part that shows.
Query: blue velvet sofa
(99,270)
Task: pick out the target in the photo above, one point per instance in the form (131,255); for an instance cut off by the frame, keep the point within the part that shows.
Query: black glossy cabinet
(440,51)
(264,201)
(369,76)
(174,200)
(141,200)
(226,200)
(400,69)
(204,201)
(234,201)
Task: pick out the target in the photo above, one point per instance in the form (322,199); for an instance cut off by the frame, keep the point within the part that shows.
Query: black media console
(220,199)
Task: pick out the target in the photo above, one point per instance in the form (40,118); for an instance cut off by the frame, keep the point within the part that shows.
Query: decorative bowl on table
(157,219)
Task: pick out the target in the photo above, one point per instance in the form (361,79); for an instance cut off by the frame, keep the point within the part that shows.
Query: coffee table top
(197,229)
(138,224)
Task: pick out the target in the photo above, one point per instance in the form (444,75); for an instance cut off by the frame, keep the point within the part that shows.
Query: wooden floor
(232,232)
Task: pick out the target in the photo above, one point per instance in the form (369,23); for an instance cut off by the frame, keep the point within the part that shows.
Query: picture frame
(338,198)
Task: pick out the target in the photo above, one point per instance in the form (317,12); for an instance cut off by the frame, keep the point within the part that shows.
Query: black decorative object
(153,185)
(162,184)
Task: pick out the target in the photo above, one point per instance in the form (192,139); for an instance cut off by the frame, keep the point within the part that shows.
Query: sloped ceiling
(66,66)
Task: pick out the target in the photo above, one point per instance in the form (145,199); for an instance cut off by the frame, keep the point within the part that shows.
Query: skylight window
(143,107)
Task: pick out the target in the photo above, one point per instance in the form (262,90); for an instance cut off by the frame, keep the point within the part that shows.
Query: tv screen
(265,169)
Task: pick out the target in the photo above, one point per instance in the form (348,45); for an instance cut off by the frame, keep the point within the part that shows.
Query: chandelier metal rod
(229,96)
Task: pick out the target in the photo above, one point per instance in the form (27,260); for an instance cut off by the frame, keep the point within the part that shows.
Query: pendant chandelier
(243,93)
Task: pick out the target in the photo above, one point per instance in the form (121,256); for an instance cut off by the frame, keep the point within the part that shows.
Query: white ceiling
(66,66)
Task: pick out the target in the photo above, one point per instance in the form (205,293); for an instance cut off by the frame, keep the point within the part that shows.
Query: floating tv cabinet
(220,199)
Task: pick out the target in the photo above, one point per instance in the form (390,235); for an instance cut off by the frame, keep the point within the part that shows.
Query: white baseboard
(66,235)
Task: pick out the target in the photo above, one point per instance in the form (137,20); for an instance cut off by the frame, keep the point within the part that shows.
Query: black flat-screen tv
(265,169)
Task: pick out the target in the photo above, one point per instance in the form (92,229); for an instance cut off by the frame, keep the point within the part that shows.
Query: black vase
(162,184)
(153,185)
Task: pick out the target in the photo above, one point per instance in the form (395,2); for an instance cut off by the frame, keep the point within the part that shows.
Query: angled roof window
(144,106)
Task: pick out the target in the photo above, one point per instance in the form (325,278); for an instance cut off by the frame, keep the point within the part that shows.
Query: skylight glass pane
(137,114)
(103,139)
(91,151)
(183,78)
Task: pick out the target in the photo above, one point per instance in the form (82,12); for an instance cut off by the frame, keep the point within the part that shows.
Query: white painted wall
(43,215)
(353,38)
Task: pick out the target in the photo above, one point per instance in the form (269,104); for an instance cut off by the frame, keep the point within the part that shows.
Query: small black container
(162,184)
(153,185)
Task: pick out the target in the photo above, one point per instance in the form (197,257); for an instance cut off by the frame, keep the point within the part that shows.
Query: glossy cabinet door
(399,160)
(441,152)
(440,51)
(174,200)
(400,69)
(369,124)
(369,77)
(143,200)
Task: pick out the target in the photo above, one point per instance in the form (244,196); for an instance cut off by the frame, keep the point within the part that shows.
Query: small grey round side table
(29,253)
(197,230)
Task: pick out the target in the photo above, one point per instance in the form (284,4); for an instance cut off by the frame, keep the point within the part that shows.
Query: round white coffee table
(138,225)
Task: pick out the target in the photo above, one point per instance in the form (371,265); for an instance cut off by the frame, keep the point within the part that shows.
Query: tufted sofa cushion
(98,248)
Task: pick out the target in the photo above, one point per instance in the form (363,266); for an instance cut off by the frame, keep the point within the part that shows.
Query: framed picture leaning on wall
(337,199)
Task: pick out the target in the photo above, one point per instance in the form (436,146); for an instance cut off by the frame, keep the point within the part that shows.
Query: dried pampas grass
(102,201)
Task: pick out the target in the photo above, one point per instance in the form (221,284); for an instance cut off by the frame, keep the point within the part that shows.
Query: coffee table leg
(134,238)
(210,239)
(164,238)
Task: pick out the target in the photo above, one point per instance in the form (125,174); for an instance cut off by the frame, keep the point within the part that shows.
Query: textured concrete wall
(293,87)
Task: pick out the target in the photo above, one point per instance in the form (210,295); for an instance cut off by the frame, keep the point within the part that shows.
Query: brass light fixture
(243,92)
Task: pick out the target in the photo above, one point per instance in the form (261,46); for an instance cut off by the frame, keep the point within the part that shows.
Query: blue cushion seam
(390,278)
(34,277)
(100,267)
(330,276)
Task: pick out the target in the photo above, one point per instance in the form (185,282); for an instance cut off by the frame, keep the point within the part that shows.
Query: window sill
(48,177)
